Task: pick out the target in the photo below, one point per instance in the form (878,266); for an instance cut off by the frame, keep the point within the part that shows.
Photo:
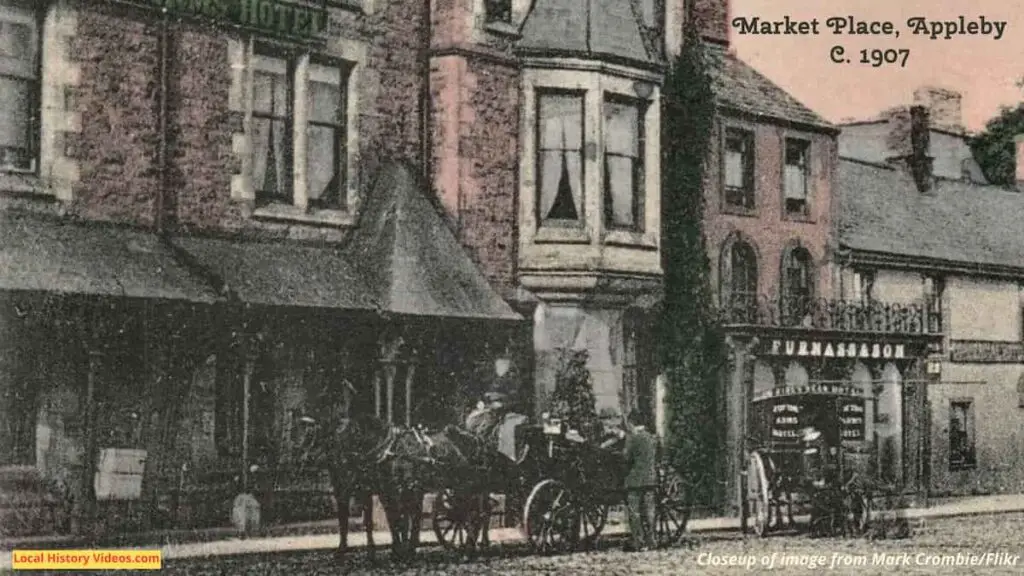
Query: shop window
(962,454)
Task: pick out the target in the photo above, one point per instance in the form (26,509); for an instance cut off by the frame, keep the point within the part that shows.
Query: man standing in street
(641,477)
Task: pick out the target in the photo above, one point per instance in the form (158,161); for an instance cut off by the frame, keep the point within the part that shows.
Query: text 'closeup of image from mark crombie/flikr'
(578,286)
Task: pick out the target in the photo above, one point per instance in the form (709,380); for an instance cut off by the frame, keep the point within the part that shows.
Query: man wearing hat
(640,452)
(487,416)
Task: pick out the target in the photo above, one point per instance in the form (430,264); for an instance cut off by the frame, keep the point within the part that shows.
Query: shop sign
(837,349)
(276,18)
(986,352)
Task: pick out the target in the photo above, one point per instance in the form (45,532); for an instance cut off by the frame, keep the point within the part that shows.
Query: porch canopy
(401,258)
(41,253)
(412,260)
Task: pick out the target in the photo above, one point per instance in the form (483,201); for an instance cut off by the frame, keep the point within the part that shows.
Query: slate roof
(740,87)
(881,210)
(281,273)
(585,28)
(411,260)
(41,253)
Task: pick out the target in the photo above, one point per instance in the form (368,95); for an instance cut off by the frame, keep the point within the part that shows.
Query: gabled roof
(881,210)
(585,28)
(411,260)
(740,87)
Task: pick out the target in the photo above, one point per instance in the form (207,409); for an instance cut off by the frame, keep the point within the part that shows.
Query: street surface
(1000,535)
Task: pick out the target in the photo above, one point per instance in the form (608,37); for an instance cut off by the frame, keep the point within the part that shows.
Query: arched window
(738,282)
(797,284)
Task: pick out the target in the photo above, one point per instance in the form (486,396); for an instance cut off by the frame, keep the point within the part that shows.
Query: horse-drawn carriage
(565,486)
(809,451)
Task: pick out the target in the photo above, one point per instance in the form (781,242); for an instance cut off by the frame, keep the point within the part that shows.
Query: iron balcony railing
(833,315)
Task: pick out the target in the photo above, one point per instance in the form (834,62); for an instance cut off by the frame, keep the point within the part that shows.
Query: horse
(354,450)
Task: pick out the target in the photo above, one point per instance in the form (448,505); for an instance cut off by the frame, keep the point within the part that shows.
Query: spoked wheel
(550,517)
(592,520)
(672,509)
(456,522)
(757,493)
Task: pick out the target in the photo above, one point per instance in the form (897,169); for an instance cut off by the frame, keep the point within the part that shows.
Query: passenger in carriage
(488,415)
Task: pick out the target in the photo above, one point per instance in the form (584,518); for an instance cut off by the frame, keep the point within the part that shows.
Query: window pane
(621,129)
(796,182)
(270,86)
(270,172)
(324,103)
(619,172)
(560,173)
(561,122)
(17,39)
(734,177)
(322,166)
(15,113)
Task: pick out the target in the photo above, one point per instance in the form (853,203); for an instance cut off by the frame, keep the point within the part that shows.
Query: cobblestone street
(923,553)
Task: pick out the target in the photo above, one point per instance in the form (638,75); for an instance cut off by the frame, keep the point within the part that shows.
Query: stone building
(909,234)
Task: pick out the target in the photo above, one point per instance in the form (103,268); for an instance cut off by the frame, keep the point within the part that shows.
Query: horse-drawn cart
(809,451)
(577,482)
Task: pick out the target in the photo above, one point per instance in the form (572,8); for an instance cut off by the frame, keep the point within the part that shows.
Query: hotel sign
(986,352)
(278,18)
(837,349)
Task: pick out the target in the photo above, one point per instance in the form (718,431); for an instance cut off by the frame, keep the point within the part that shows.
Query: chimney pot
(1018,144)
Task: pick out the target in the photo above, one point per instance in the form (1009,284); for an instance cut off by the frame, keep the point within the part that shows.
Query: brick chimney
(944,107)
(713,18)
(909,141)
(1018,144)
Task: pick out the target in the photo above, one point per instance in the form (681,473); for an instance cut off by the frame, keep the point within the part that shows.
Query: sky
(983,69)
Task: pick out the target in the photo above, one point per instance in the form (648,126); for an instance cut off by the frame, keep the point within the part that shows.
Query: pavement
(966,506)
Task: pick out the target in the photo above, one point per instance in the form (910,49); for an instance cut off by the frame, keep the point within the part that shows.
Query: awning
(412,260)
(41,253)
(281,273)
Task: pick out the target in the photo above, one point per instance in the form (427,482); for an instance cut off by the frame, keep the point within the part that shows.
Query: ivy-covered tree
(994,148)
(573,400)
(691,344)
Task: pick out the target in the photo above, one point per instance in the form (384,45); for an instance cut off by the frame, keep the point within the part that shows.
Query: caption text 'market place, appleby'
(918,25)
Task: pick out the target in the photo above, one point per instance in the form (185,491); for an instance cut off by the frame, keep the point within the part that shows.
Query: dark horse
(355,450)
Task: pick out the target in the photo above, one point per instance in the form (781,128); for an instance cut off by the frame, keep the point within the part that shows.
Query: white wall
(982,309)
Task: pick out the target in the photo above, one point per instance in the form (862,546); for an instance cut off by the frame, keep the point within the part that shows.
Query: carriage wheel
(858,512)
(757,493)
(456,523)
(672,509)
(550,517)
(592,520)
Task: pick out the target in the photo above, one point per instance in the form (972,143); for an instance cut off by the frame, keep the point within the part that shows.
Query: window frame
(581,213)
(728,279)
(9,9)
(749,190)
(970,456)
(639,175)
(788,300)
(341,127)
(290,57)
(806,145)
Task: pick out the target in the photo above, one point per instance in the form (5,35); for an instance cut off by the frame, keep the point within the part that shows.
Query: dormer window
(560,158)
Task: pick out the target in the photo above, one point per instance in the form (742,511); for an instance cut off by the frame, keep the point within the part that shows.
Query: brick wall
(475,149)
(118,100)
(770,231)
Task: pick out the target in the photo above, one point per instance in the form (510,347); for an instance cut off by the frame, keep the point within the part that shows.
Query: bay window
(560,158)
(19,86)
(623,163)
